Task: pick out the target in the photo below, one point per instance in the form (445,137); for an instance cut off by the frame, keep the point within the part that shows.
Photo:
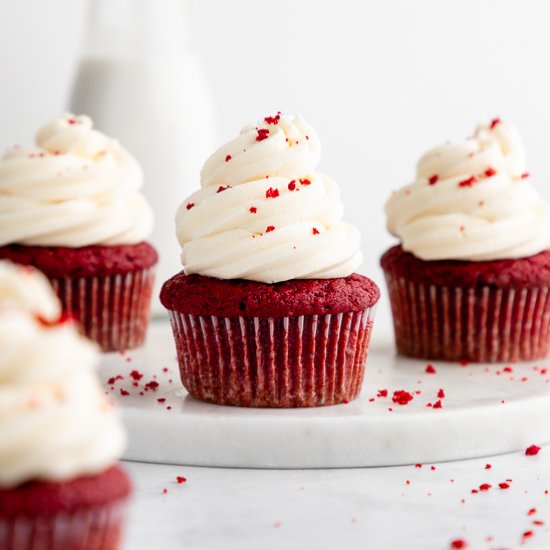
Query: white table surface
(368,508)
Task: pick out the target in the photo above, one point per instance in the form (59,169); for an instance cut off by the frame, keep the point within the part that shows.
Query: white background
(381,81)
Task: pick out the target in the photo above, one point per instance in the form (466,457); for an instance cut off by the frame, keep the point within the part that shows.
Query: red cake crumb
(181,479)
(227,158)
(437,404)
(490,172)
(402,397)
(430,369)
(382,393)
(495,122)
(136,375)
(273,119)
(124,393)
(199,295)
(271,193)
(532,512)
(270,228)
(315,231)
(504,485)
(525,175)
(527,534)
(485,487)
(253,210)
(223,188)
(459,544)
(292,185)
(488,466)
(532,450)
(263,133)
(152,385)
(189,205)
(433,179)
(161,400)
(305,181)
(441,394)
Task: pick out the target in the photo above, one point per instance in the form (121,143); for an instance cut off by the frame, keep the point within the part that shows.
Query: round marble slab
(487,410)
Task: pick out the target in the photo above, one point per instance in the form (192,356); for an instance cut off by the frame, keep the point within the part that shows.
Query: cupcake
(71,207)
(268,311)
(471,277)
(60,486)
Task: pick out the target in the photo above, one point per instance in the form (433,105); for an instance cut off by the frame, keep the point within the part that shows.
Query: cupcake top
(76,187)
(264,213)
(472,200)
(55,421)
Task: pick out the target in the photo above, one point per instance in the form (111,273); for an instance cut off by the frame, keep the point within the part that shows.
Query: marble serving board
(486,410)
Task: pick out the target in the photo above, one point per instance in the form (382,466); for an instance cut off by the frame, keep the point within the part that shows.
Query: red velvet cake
(492,311)
(299,343)
(107,289)
(30,513)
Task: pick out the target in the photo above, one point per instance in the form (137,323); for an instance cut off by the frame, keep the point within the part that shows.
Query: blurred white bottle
(141,83)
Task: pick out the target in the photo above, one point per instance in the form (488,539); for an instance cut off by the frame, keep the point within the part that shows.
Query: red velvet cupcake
(107,289)
(299,343)
(71,207)
(268,311)
(471,280)
(60,487)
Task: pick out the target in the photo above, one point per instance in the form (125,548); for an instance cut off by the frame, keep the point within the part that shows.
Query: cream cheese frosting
(55,420)
(472,200)
(76,187)
(263,213)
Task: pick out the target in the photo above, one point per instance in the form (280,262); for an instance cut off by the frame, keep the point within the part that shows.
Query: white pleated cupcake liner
(302,361)
(478,324)
(112,310)
(99,528)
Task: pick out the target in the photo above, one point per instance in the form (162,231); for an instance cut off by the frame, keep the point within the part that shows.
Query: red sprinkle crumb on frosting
(468,182)
(527,534)
(532,450)
(433,179)
(495,122)
(459,544)
(152,385)
(485,486)
(402,397)
(418,465)
(221,188)
(305,181)
(525,175)
(532,512)
(315,231)
(124,393)
(181,479)
(382,393)
(292,185)
(263,133)
(490,172)
(271,193)
(165,491)
(437,404)
(227,158)
(253,210)
(463,363)
(441,393)
(161,400)
(72,121)
(273,119)
(430,369)
(488,466)
(504,485)
(270,228)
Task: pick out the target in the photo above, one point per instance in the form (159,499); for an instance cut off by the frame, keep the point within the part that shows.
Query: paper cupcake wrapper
(304,361)
(86,529)
(478,324)
(112,310)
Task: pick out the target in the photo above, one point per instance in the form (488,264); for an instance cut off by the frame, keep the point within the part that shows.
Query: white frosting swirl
(472,201)
(76,188)
(55,421)
(264,214)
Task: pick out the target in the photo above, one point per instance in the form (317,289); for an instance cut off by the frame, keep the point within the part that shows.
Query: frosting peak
(55,421)
(264,213)
(472,200)
(76,188)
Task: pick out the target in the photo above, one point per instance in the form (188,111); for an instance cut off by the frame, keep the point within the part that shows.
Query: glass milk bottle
(141,83)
